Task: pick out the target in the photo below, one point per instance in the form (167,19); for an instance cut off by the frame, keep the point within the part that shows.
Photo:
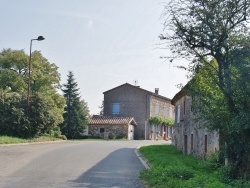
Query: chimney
(157,91)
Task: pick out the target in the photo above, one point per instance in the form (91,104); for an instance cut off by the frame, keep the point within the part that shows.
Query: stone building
(189,135)
(132,101)
(111,127)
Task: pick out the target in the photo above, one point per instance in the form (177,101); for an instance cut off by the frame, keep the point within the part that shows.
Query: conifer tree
(76,113)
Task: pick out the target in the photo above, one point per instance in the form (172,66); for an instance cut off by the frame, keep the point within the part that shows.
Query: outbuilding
(111,127)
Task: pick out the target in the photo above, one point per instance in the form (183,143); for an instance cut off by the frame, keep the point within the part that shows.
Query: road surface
(90,164)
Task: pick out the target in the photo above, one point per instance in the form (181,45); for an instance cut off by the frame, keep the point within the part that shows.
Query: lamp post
(28,94)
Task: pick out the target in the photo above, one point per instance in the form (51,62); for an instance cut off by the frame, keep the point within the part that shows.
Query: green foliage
(16,121)
(159,120)
(13,120)
(45,77)
(226,173)
(170,168)
(46,105)
(42,116)
(211,108)
(11,140)
(180,172)
(63,137)
(215,161)
(56,132)
(214,35)
(17,140)
(13,70)
(76,112)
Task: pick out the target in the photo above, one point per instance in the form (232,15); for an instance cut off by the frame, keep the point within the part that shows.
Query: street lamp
(28,94)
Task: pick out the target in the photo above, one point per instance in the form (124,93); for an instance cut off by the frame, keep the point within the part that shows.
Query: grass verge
(15,140)
(171,169)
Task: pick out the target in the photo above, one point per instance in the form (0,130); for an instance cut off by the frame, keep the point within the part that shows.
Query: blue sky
(105,43)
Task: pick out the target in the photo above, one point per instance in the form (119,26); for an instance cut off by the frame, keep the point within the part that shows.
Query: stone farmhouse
(111,127)
(188,135)
(132,101)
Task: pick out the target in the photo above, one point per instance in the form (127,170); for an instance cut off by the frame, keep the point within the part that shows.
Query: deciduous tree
(46,105)
(214,34)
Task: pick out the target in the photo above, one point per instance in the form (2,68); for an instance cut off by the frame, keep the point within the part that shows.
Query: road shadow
(120,169)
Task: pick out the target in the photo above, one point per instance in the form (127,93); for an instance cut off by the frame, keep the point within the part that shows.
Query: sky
(105,43)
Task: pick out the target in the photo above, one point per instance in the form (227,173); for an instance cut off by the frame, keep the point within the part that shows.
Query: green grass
(15,140)
(171,169)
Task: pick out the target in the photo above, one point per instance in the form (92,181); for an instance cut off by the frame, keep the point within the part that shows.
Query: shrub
(204,181)
(240,184)
(121,136)
(62,137)
(226,173)
(55,132)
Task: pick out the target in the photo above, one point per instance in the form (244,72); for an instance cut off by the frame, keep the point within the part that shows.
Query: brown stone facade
(189,135)
(109,131)
(138,103)
(111,127)
(161,107)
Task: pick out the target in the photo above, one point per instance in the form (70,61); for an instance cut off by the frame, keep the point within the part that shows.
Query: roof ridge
(99,119)
(138,87)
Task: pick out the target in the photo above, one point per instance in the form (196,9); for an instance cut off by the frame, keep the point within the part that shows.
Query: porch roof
(108,120)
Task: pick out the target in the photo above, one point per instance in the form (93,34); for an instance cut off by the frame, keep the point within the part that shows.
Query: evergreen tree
(76,113)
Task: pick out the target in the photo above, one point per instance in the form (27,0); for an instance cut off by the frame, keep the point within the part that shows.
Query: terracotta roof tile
(104,120)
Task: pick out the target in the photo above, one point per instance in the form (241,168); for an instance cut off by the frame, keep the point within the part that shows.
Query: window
(178,113)
(170,112)
(184,107)
(157,109)
(102,130)
(165,111)
(116,108)
(192,141)
(205,143)
(185,144)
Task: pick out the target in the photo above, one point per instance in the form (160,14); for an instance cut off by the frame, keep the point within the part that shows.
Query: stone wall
(110,131)
(164,106)
(190,136)
(133,103)
(138,103)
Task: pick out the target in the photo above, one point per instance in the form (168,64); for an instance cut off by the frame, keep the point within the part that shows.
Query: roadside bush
(84,137)
(204,181)
(16,120)
(226,173)
(55,132)
(240,184)
(214,162)
(121,136)
(62,137)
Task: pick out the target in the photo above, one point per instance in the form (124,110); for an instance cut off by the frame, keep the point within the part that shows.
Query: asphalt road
(90,164)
